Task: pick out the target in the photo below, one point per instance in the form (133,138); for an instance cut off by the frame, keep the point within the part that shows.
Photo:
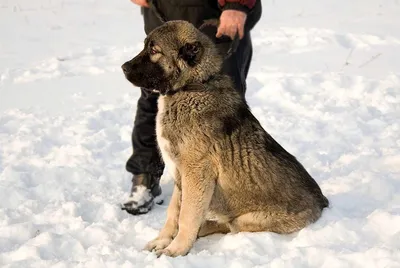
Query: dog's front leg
(170,228)
(198,186)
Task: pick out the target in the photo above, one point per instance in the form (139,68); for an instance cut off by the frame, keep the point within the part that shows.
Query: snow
(325,82)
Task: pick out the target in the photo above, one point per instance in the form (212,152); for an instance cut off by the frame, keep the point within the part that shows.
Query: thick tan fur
(230,174)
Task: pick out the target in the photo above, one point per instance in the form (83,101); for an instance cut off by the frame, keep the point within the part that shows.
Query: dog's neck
(189,87)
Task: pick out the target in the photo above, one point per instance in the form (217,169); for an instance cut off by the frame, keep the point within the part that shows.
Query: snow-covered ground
(325,82)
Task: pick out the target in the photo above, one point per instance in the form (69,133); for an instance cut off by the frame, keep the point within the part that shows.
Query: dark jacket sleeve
(241,5)
(252,8)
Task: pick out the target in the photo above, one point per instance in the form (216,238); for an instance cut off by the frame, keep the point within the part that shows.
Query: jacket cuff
(236,6)
(241,5)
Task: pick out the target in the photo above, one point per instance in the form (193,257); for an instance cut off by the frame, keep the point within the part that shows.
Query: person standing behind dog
(236,17)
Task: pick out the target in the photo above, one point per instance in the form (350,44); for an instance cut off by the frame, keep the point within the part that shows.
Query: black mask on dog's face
(144,73)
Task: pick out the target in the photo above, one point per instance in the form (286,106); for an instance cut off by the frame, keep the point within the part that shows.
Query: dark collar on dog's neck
(189,87)
(193,87)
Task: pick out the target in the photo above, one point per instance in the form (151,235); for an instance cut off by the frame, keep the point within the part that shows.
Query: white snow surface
(325,82)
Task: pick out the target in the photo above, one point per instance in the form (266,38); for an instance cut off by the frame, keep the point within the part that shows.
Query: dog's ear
(191,52)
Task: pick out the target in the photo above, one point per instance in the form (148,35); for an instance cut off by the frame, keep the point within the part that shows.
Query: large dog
(230,174)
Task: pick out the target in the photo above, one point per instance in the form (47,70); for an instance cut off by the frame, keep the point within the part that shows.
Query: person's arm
(233,16)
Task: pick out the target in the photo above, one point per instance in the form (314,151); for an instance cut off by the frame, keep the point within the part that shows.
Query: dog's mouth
(148,90)
(151,90)
(149,77)
(135,80)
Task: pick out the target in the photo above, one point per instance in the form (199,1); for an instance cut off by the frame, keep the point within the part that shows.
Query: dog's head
(174,55)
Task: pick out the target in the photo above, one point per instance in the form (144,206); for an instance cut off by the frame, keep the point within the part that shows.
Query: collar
(192,87)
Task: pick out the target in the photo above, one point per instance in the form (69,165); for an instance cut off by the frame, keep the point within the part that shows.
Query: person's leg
(145,162)
(145,157)
(238,64)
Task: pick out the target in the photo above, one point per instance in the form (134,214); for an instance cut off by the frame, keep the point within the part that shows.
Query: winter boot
(145,192)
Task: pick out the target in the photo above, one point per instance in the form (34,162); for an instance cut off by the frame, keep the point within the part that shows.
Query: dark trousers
(146,157)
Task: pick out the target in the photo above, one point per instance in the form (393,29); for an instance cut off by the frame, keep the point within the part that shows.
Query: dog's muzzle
(126,68)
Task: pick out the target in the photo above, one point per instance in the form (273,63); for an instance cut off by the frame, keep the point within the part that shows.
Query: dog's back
(254,173)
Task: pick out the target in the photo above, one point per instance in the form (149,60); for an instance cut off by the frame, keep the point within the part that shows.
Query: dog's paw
(173,251)
(158,244)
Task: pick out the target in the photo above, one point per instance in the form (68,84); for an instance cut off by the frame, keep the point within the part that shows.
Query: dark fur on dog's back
(230,174)
(241,148)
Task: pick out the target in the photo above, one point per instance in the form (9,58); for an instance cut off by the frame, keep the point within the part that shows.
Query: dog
(230,175)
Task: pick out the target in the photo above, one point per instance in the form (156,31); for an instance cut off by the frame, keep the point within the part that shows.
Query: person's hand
(230,22)
(142,3)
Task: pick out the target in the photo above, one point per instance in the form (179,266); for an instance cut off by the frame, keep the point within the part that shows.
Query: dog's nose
(126,67)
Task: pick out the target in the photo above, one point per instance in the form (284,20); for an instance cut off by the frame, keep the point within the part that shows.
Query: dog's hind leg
(212,227)
(281,223)
(170,228)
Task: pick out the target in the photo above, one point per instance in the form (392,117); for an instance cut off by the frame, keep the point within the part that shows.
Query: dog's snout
(126,67)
